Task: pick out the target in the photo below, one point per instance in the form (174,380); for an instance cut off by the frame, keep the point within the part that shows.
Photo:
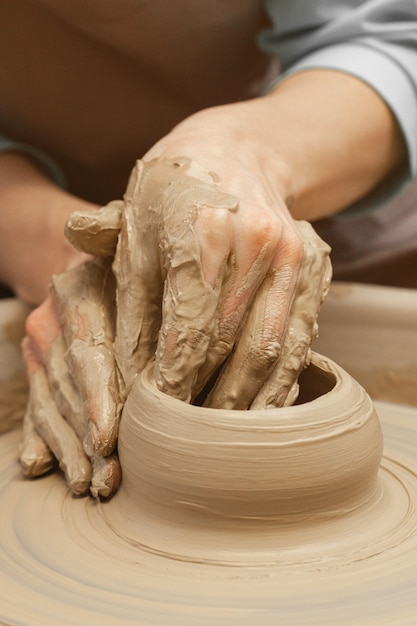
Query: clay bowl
(194,472)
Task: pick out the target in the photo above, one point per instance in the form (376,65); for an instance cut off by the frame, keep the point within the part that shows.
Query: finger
(187,323)
(84,299)
(44,420)
(157,242)
(190,300)
(36,458)
(137,269)
(246,269)
(272,339)
(66,397)
(96,231)
(58,435)
(107,476)
(259,344)
(313,283)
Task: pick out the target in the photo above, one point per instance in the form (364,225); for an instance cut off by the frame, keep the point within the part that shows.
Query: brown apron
(95,83)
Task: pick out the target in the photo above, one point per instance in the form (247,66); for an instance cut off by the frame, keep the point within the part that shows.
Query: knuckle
(215,221)
(293,246)
(262,358)
(266,230)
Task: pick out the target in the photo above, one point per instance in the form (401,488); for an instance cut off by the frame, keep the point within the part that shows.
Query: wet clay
(206,479)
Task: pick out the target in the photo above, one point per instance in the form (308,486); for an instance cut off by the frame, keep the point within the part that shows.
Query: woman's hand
(68,347)
(209,262)
(73,410)
(33,212)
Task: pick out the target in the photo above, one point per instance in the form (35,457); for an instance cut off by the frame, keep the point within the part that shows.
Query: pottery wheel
(61,562)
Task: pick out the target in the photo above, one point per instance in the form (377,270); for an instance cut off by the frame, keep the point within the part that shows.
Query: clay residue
(192,322)
(95,232)
(84,298)
(73,406)
(158,245)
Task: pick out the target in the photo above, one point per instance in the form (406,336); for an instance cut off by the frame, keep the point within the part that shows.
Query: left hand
(73,408)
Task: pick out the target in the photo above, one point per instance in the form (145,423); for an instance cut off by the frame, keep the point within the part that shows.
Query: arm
(372,40)
(33,212)
(347,143)
(322,139)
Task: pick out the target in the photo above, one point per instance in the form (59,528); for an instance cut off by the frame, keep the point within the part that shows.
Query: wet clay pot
(205,475)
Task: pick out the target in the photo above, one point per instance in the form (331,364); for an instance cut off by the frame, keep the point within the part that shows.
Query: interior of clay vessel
(314,382)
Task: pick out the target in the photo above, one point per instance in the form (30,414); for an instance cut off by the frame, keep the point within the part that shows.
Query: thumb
(95,232)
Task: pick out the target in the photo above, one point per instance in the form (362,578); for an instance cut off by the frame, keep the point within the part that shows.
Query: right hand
(199,278)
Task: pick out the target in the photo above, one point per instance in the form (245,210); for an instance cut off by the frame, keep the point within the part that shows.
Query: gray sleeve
(375,40)
(46,164)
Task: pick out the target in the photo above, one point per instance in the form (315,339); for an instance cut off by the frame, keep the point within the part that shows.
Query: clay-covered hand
(73,408)
(213,274)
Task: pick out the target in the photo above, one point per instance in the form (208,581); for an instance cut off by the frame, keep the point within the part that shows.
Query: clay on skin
(158,243)
(79,377)
(158,266)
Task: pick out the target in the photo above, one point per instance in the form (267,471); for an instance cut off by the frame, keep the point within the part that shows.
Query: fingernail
(99,442)
(33,466)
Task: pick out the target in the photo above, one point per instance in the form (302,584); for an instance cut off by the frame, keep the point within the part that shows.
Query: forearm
(33,212)
(320,140)
(337,139)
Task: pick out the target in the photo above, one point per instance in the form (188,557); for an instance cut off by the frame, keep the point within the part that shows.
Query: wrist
(232,144)
(322,139)
(32,218)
